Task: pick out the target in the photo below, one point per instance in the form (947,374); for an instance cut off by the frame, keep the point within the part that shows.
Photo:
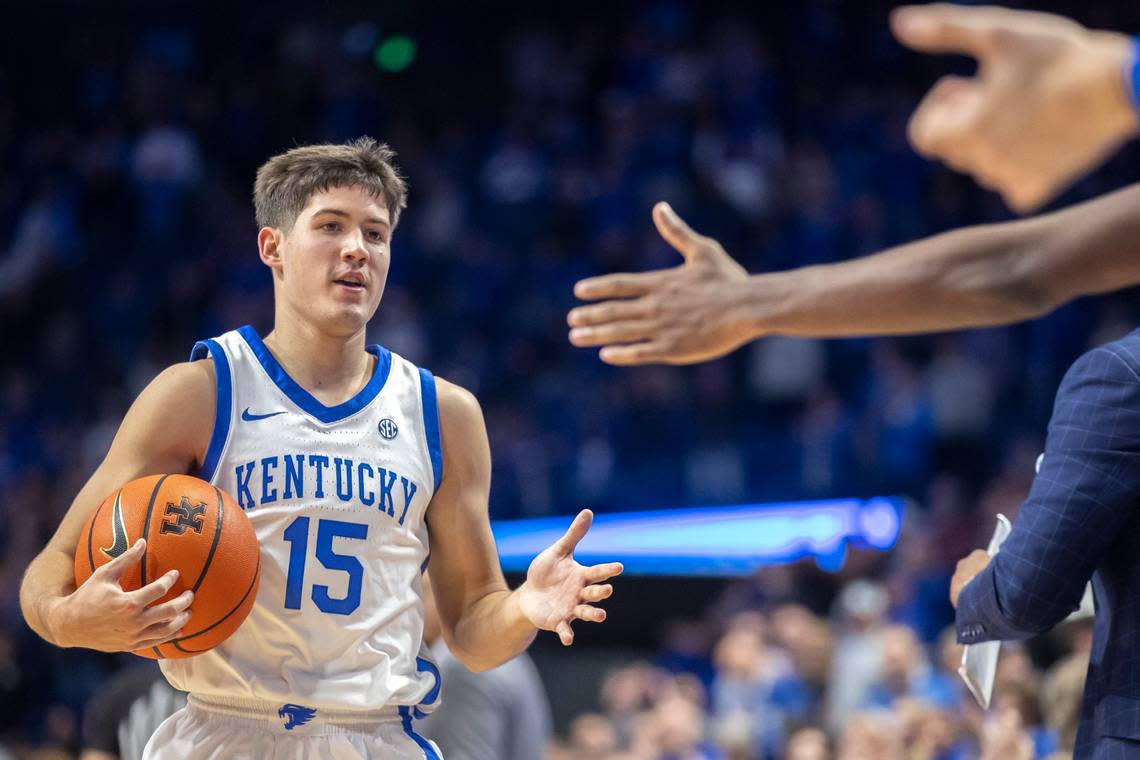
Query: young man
(354,467)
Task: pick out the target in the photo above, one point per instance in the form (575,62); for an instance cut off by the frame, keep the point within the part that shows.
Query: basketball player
(354,467)
(973,277)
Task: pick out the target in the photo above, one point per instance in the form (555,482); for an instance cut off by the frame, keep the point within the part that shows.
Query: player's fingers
(605,571)
(589,613)
(607,311)
(597,593)
(944,117)
(154,590)
(576,532)
(617,332)
(648,352)
(565,633)
(160,633)
(620,285)
(114,569)
(948,28)
(675,231)
(162,613)
(1025,197)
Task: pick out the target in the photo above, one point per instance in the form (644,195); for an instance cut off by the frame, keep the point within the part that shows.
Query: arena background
(535,139)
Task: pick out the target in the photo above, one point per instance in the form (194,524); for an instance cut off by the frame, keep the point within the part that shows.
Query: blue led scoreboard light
(714,541)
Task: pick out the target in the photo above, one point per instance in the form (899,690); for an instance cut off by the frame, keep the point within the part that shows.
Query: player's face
(334,262)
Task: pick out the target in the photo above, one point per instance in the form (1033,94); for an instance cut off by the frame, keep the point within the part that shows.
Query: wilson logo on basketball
(185,514)
(388,428)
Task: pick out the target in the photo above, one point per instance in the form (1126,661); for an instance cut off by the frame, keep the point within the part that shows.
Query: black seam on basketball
(146,530)
(213,546)
(91,535)
(178,642)
(158,653)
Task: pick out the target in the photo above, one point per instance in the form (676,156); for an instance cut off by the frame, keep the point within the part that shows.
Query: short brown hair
(286,182)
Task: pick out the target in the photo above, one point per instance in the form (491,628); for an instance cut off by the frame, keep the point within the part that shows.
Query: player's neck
(331,367)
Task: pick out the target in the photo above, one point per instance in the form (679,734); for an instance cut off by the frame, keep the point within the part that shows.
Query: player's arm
(1049,102)
(166,430)
(972,277)
(485,624)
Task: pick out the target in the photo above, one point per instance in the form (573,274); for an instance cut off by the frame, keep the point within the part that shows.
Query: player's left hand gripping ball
(559,590)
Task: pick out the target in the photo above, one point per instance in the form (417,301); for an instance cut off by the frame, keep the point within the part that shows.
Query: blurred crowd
(762,676)
(534,151)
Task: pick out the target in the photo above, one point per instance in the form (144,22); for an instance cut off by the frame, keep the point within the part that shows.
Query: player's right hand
(1049,101)
(100,615)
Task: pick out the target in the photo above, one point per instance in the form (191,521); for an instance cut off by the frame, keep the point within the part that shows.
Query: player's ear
(269,241)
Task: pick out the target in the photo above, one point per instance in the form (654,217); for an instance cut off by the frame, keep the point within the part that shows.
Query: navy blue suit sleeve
(1086,488)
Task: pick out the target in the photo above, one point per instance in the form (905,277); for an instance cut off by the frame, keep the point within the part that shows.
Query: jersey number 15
(297,534)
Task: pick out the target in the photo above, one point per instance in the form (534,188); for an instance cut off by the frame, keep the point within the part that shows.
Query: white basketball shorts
(232,729)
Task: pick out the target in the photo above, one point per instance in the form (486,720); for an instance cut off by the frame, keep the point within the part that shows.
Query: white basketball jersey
(338,497)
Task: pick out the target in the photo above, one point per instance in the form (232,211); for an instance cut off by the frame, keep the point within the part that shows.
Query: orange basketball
(191,526)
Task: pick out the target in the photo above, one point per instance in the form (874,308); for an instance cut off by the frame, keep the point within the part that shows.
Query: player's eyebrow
(346,215)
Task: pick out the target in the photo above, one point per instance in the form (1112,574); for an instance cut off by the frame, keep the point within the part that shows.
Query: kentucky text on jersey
(318,476)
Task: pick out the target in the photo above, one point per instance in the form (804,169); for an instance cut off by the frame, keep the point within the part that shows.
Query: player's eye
(376,236)
(330,227)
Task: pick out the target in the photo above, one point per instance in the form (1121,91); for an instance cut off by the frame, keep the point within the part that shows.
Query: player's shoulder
(455,400)
(173,416)
(183,391)
(193,378)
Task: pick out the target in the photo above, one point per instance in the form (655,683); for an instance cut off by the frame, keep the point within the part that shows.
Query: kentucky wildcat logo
(296,715)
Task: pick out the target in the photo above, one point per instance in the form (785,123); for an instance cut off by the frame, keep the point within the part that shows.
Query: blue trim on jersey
(201,350)
(425,745)
(424,665)
(431,423)
(303,398)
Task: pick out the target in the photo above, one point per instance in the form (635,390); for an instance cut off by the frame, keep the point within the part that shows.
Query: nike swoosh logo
(245,415)
(120,530)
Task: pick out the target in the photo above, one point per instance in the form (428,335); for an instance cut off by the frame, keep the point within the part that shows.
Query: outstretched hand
(1048,103)
(558,590)
(687,314)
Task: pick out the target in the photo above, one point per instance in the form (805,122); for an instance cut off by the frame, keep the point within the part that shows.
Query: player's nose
(354,249)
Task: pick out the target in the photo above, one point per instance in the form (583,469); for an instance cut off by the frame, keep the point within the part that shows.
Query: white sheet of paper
(979,661)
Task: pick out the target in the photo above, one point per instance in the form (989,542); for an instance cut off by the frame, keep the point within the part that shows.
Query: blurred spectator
(808,744)
(1061,698)
(861,612)
(870,735)
(907,673)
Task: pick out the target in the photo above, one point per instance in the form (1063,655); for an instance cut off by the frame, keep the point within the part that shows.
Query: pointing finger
(948,28)
(621,285)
